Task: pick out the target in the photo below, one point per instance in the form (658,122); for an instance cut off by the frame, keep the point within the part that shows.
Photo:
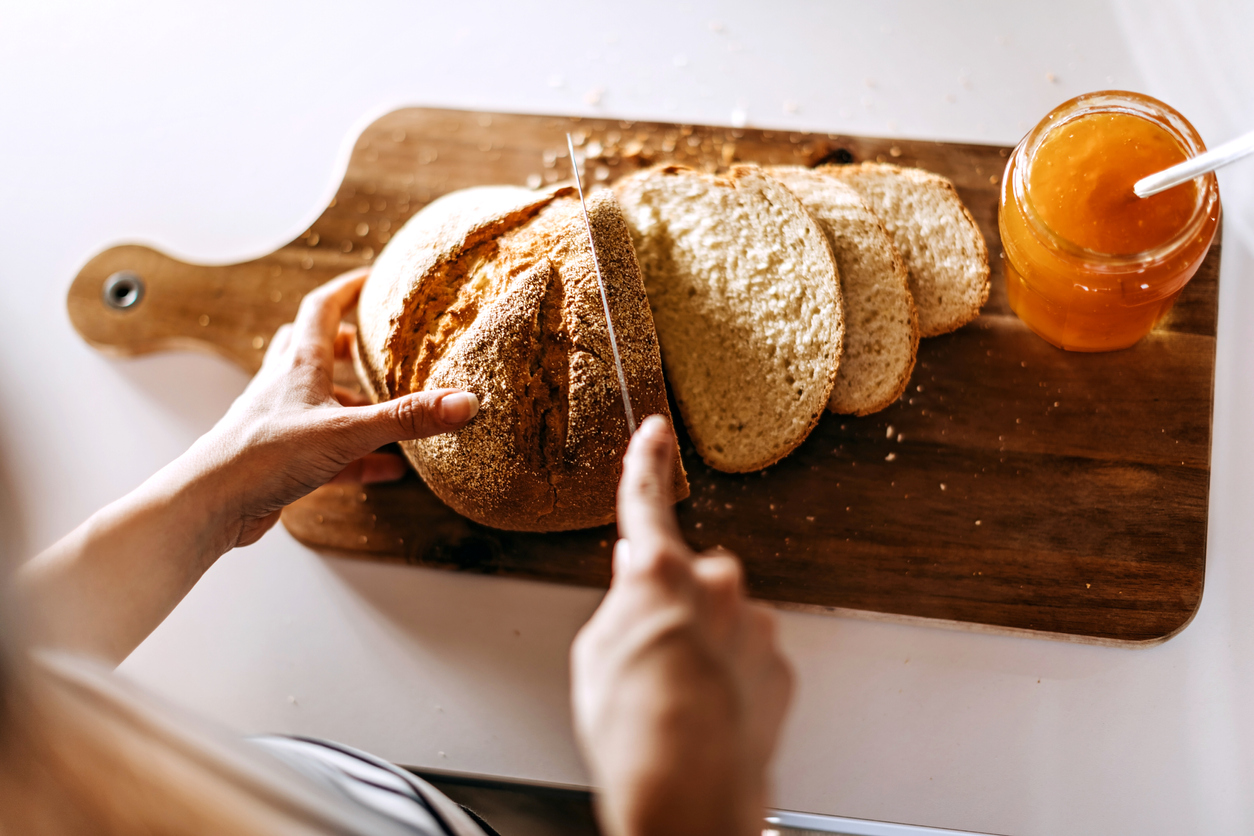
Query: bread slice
(747,306)
(881,328)
(494,289)
(938,239)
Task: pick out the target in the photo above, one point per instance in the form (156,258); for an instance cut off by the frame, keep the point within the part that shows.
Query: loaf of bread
(942,247)
(494,289)
(747,306)
(881,329)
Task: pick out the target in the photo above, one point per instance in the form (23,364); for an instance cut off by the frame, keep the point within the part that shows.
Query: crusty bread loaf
(494,289)
(881,330)
(938,239)
(747,305)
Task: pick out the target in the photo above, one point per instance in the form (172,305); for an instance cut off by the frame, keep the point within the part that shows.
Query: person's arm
(104,587)
(679,689)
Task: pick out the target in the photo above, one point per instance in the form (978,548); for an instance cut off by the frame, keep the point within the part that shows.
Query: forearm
(108,584)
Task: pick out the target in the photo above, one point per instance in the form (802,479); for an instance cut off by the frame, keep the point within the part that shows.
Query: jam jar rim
(1113,101)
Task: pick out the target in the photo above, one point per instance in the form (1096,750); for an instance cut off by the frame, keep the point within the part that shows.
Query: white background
(218,133)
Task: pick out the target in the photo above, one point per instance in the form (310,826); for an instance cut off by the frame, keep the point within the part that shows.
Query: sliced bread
(938,239)
(881,328)
(747,306)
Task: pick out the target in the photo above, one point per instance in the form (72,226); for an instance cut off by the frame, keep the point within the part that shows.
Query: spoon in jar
(1195,166)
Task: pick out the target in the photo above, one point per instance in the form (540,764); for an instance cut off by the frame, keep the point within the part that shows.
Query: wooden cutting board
(1014,488)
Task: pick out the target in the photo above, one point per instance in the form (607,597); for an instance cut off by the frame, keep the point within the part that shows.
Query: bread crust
(949,201)
(494,290)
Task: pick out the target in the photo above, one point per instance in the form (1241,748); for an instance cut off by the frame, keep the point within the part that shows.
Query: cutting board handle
(132,299)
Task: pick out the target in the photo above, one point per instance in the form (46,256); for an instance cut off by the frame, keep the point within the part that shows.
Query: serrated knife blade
(605,300)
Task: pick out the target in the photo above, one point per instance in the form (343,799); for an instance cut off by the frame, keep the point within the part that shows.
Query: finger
(350,397)
(372,468)
(418,415)
(344,340)
(620,564)
(646,515)
(722,581)
(279,343)
(318,320)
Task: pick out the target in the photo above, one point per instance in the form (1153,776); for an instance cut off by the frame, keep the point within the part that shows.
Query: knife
(605,302)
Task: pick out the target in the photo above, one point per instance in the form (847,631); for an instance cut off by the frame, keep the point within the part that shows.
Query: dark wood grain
(1014,488)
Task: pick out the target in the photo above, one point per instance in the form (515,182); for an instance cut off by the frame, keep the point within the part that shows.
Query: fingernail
(458,407)
(653,424)
(622,557)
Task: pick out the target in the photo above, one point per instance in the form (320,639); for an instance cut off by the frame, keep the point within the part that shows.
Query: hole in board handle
(123,290)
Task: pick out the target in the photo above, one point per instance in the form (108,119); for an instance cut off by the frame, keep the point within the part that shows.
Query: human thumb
(417,415)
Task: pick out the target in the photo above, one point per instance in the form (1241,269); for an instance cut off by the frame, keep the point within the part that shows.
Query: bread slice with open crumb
(747,306)
(881,328)
(939,242)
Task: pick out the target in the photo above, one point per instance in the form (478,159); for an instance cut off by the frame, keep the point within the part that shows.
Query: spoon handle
(1190,168)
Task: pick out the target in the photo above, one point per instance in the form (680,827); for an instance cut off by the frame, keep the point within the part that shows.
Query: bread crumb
(942,486)
(1051,78)
(593,96)
(890,457)
(977,522)
(890,431)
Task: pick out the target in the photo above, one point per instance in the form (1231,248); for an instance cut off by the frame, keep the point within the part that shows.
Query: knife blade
(605,302)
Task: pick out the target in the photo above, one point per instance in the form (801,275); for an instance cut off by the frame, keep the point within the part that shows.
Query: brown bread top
(494,289)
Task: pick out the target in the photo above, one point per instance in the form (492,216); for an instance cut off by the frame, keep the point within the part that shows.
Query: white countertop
(218,135)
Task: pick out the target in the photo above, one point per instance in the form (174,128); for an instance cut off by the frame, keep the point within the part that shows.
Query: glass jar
(1090,266)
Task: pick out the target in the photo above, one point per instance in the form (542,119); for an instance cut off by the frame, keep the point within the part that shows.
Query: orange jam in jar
(1089,265)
